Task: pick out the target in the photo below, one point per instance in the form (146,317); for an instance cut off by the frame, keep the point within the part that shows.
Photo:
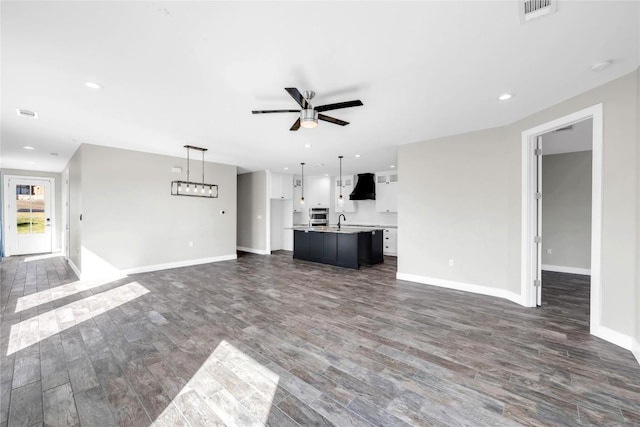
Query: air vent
(532,9)
(27,113)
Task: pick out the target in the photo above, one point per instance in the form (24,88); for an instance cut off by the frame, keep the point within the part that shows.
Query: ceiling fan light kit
(194,189)
(308,119)
(309,115)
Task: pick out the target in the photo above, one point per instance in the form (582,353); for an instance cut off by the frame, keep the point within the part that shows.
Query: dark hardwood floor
(269,340)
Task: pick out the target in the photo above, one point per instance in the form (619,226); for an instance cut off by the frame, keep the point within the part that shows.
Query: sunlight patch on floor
(38,328)
(43,256)
(49,295)
(205,396)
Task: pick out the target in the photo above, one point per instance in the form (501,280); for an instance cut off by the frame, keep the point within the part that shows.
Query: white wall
(460,199)
(132,222)
(57,236)
(365,214)
(566,210)
(252,212)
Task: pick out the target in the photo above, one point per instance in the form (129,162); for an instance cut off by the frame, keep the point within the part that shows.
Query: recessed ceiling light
(31,163)
(286,168)
(93,85)
(357,155)
(27,147)
(392,166)
(307,145)
(601,65)
(326,174)
(505,96)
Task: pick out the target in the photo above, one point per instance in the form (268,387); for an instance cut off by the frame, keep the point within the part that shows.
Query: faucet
(341,216)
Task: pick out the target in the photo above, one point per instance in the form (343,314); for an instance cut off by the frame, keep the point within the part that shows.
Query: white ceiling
(177,73)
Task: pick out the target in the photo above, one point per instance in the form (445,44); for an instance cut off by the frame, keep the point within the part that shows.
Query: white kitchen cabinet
(317,191)
(387,191)
(297,195)
(347,187)
(281,186)
(390,241)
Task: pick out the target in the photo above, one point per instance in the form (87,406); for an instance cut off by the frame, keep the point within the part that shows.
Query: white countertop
(334,229)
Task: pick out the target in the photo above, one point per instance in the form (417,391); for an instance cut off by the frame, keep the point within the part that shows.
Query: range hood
(365,187)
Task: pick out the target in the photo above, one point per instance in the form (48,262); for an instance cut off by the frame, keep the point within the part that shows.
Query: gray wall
(57,236)
(460,198)
(637,296)
(252,215)
(454,204)
(566,209)
(75,208)
(130,219)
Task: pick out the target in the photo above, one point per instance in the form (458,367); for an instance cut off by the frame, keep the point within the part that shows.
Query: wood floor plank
(60,407)
(93,408)
(25,408)
(27,366)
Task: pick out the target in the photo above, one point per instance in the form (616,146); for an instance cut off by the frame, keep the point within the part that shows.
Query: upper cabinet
(317,193)
(281,186)
(297,195)
(387,191)
(347,187)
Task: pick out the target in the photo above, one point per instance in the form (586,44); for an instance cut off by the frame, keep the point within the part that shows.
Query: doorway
(533,199)
(29,225)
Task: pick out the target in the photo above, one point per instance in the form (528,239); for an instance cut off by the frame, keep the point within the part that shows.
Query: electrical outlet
(450,263)
(549,251)
(190,244)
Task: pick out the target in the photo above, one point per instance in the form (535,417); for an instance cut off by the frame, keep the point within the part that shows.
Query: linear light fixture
(194,189)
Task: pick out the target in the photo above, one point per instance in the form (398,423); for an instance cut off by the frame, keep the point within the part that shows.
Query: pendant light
(302,183)
(184,188)
(340,199)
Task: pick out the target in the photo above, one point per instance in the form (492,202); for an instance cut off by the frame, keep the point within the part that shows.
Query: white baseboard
(570,270)
(253,251)
(148,268)
(178,264)
(460,286)
(614,337)
(636,349)
(74,268)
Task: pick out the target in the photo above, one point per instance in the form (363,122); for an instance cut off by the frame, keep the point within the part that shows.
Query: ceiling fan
(309,115)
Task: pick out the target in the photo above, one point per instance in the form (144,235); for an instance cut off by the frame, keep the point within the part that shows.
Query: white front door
(29,220)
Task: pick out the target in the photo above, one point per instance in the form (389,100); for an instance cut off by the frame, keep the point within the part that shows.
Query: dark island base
(350,250)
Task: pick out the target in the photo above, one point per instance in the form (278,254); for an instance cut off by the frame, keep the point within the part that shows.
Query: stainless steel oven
(318,216)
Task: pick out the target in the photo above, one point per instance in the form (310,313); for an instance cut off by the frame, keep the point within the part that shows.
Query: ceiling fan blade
(338,105)
(332,120)
(295,94)
(296,125)
(274,111)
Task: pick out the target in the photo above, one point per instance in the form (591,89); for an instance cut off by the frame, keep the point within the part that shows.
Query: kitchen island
(348,247)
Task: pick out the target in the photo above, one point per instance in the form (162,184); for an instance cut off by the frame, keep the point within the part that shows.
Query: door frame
(6,201)
(529,215)
(65,205)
